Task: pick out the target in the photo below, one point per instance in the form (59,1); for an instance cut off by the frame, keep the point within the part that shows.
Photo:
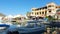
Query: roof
(42,8)
(51,3)
(18,16)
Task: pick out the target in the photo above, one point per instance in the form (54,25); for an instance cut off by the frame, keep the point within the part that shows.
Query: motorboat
(3,26)
(55,23)
(32,26)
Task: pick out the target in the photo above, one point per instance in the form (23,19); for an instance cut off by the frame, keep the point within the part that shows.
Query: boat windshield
(31,25)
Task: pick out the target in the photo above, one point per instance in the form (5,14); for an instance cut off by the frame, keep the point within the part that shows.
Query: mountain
(1,14)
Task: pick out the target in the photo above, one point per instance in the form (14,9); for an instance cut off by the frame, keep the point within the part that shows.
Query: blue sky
(15,7)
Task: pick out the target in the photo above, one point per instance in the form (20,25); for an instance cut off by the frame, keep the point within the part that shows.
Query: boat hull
(3,26)
(30,30)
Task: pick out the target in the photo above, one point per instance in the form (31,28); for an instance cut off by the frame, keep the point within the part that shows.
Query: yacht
(32,26)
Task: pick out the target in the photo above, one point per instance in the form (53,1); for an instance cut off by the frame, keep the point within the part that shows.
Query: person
(54,32)
(48,30)
(45,33)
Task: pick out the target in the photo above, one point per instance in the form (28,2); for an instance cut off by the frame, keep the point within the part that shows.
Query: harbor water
(13,27)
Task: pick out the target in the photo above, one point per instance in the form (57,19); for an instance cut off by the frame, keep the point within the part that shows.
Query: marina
(32,26)
(29,17)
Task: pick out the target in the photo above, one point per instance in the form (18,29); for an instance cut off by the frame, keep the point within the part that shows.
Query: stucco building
(57,15)
(48,10)
(18,18)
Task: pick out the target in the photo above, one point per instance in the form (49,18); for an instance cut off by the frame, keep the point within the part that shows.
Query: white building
(48,10)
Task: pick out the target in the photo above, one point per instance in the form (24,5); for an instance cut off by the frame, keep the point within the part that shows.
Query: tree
(49,17)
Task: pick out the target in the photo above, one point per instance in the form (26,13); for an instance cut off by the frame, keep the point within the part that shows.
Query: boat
(3,26)
(32,26)
(55,23)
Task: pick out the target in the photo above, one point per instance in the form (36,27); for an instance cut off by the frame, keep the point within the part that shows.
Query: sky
(14,7)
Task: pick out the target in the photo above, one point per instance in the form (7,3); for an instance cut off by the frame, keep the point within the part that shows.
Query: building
(48,10)
(57,15)
(18,18)
(7,18)
(2,16)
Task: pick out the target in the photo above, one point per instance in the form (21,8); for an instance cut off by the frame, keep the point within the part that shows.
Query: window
(45,12)
(50,11)
(32,12)
(51,6)
(37,13)
(19,18)
(42,12)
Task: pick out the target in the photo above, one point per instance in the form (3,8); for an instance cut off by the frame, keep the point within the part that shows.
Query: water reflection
(10,28)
